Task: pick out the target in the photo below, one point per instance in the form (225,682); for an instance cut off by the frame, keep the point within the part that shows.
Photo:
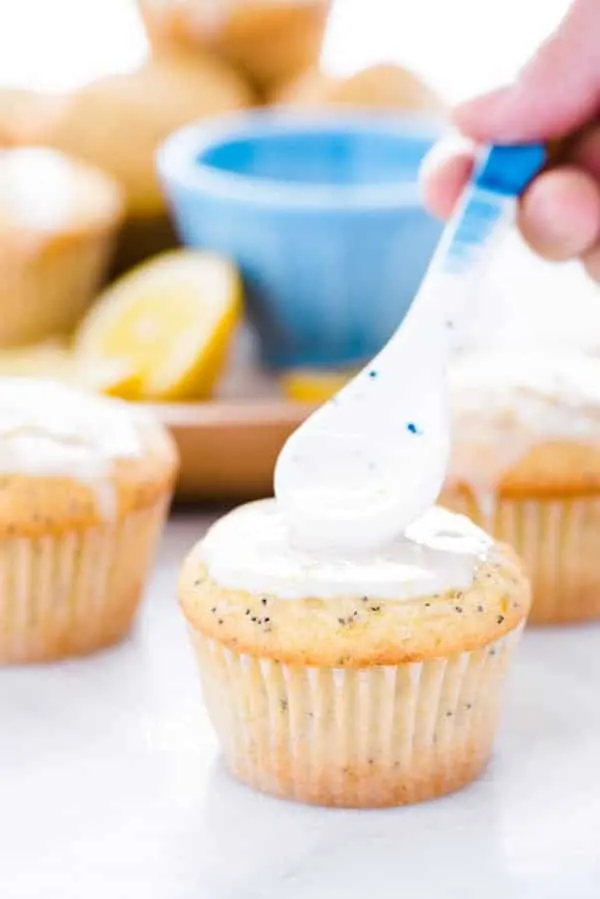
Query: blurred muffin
(268,40)
(23,115)
(526,466)
(84,492)
(58,217)
(377,87)
(366,681)
(117,123)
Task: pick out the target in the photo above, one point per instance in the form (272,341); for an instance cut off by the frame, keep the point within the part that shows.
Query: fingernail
(452,144)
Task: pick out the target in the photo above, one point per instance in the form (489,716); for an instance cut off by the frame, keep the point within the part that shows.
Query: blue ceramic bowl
(321,213)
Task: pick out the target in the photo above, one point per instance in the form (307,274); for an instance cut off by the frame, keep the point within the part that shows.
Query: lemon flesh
(313,385)
(169,323)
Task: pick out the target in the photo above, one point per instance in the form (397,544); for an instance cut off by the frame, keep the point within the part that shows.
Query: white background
(462,46)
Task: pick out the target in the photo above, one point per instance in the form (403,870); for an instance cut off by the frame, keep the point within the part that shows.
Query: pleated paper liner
(559,542)
(366,737)
(71,593)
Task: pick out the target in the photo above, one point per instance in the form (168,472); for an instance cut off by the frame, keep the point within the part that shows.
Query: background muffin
(383,86)
(58,219)
(84,491)
(347,683)
(268,40)
(117,123)
(526,466)
(23,115)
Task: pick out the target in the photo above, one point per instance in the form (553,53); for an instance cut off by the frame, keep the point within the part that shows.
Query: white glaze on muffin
(251,549)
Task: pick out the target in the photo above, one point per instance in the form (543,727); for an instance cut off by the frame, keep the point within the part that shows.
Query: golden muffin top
(70,457)
(383,86)
(444,586)
(45,192)
(528,421)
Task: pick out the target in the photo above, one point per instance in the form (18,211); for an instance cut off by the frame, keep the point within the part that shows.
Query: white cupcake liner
(71,593)
(374,736)
(559,542)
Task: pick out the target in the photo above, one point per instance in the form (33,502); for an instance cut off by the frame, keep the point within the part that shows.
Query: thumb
(556,92)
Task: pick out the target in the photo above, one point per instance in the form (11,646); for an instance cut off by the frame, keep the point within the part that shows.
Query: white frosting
(506,403)
(546,394)
(250,549)
(45,191)
(48,429)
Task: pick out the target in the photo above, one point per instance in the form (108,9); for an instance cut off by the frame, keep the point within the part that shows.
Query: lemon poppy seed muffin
(58,219)
(85,484)
(368,681)
(526,466)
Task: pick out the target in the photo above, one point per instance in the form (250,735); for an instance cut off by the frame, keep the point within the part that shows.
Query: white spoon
(374,458)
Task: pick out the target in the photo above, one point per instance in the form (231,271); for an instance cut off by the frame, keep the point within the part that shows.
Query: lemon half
(168,323)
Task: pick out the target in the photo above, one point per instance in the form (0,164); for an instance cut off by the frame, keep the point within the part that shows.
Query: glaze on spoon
(366,465)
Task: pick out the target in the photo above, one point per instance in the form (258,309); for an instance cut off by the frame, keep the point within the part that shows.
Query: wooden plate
(228,448)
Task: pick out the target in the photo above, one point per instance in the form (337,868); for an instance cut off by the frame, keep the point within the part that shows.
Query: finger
(444,174)
(559,215)
(556,92)
(586,154)
(591,262)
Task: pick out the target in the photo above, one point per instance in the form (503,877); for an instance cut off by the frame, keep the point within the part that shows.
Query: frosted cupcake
(526,467)
(84,490)
(368,681)
(58,219)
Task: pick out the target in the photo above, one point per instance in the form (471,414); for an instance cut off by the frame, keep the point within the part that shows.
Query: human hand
(556,95)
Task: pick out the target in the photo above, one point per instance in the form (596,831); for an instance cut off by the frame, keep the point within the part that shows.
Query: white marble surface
(111,788)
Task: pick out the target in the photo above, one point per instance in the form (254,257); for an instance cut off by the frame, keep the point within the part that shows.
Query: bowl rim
(178,164)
